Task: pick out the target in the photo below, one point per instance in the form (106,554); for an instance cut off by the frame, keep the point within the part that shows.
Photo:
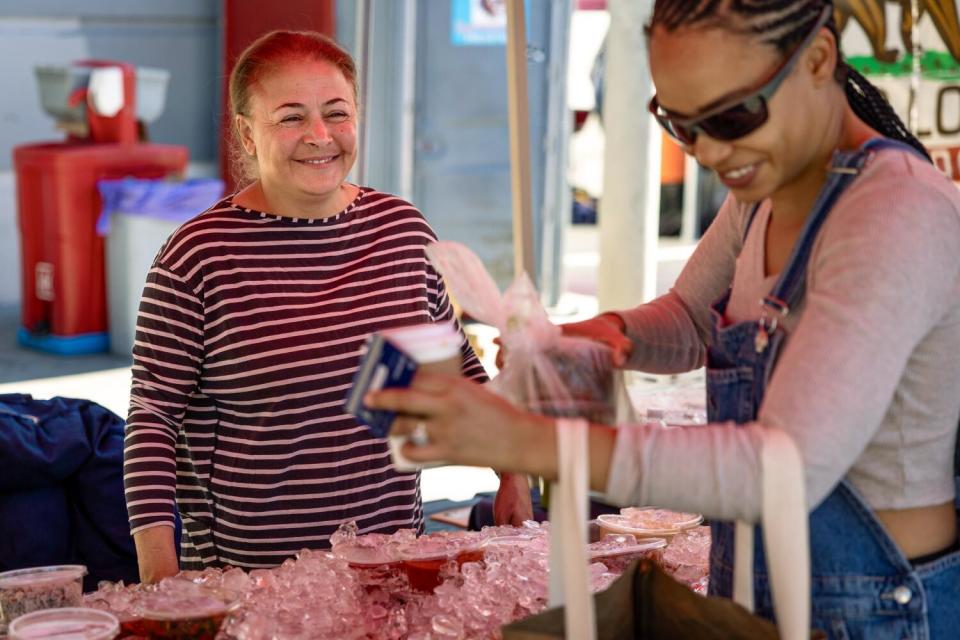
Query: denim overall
(863,586)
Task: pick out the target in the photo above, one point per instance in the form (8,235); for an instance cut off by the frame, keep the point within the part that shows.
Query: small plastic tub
(424,560)
(73,623)
(648,522)
(364,557)
(23,591)
(467,546)
(373,564)
(422,564)
(196,618)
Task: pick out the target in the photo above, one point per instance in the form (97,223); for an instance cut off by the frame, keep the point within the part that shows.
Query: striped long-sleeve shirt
(248,337)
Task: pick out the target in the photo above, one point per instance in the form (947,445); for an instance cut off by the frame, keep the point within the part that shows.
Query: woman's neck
(793,201)
(262,198)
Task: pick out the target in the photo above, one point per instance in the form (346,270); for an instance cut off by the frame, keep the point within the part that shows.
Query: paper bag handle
(786,538)
(569,575)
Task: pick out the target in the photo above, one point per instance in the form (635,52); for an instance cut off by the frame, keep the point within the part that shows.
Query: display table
(443,585)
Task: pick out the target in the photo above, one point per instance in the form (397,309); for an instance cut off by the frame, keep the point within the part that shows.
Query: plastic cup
(425,559)
(436,349)
(23,591)
(364,557)
(612,524)
(435,346)
(423,569)
(73,623)
(374,565)
(194,618)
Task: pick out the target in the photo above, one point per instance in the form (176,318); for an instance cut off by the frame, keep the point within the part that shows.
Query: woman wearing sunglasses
(824,300)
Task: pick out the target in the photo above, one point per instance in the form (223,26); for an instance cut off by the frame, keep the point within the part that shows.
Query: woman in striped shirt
(249,332)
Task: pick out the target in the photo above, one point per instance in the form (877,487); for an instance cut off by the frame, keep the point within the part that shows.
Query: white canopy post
(519,119)
(630,205)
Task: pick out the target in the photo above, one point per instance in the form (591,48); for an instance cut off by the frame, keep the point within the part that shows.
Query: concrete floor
(18,363)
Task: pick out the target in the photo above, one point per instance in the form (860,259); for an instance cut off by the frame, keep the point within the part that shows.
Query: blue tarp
(173,201)
(61,488)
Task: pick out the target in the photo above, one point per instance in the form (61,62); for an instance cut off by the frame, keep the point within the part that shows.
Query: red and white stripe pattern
(248,338)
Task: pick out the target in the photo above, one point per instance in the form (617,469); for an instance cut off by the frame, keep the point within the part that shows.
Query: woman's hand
(608,329)
(464,423)
(512,504)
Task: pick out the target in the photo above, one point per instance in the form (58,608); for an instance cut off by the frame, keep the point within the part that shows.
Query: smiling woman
(824,301)
(304,150)
(295,108)
(250,329)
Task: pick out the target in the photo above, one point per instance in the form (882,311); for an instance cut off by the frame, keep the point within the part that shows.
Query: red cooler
(64,308)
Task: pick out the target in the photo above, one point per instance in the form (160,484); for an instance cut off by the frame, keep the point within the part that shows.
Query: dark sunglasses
(741,114)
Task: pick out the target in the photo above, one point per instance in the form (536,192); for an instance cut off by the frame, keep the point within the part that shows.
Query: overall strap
(956,475)
(872,145)
(878,144)
(787,291)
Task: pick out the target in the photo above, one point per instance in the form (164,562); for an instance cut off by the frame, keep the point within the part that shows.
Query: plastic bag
(176,201)
(543,371)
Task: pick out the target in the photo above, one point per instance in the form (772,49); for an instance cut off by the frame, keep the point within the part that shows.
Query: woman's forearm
(537,454)
(156,553)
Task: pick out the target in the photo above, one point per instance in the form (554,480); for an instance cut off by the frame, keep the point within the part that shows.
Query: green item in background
(934,65)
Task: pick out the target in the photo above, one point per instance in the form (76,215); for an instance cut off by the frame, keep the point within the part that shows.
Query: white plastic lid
(624,524)
(367,556)
(72,623)
(597,550)
(421,552)
(425,343)
(510,541)
(41,575)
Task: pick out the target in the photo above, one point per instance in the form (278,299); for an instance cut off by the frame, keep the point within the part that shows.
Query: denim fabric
(863,586)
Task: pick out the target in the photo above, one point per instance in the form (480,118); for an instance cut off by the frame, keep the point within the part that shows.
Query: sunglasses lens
(681,134)
(730,124)
(737,121)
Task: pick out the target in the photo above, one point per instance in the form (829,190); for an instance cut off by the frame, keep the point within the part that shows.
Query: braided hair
(783,24)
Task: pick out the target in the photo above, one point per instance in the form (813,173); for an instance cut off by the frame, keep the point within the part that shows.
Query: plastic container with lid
(648,522)
(375,565)
(195,617)
(424,559)
(71,623)
(367,557)
(423,567)
(23,591)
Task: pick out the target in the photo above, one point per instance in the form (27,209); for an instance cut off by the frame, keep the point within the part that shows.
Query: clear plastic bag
(543,371)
